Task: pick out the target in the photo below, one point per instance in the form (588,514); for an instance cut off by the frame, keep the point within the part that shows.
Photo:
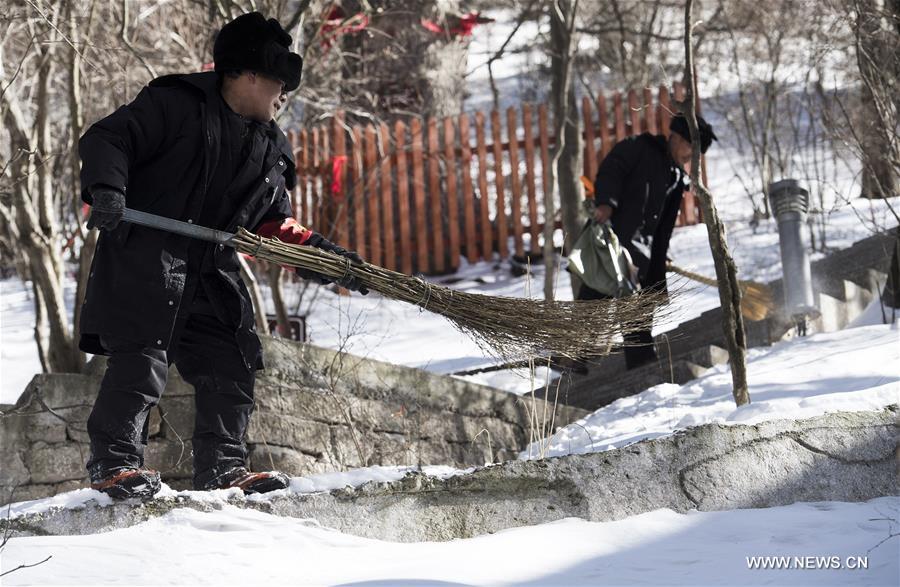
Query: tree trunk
(33,201)
(76,122)
(281,315)
(47,267)
(891,292)
(40,328)
(566,163)
(877,31)
(726,272)
(259,304)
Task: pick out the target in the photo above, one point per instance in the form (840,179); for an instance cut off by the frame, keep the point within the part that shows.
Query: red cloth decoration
(457,26)
(337,175)
(337,25)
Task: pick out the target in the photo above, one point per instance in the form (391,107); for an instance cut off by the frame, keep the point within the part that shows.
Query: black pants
(207,356)
(639,349)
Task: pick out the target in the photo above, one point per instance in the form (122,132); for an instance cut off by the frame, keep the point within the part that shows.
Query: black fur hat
(252,42)
(707,136)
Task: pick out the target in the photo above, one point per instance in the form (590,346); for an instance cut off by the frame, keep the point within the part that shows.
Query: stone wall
(317,411)
(844,456)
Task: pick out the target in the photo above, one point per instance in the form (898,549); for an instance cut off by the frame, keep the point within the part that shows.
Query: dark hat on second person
(254,43)
(707,136)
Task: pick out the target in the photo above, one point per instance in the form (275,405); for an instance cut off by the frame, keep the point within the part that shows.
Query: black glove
(107,208)
(350,282)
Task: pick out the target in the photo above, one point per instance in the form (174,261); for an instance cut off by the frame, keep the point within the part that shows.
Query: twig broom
(505,326)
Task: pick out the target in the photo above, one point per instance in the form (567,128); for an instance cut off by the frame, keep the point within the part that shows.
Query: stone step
(597,389)
(857,299)
(876,281)
(832,314)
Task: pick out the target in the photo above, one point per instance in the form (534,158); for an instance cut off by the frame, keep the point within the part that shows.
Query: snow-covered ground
(850,370)
(662,547)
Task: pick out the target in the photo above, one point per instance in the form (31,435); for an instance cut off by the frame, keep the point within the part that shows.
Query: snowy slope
(245,547)
(855,369)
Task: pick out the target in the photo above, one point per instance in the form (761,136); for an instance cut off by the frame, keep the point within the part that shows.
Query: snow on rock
(853,369)
(837,457)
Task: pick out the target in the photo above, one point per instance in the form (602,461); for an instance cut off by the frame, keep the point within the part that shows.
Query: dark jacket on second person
(641,182)
(161,151)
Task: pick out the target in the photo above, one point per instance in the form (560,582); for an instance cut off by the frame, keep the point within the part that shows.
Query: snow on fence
(416,196)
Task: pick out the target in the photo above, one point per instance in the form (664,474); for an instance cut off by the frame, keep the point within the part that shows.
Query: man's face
(680,150)
(265,96)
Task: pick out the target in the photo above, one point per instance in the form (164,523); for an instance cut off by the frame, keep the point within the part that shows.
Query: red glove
(287,230)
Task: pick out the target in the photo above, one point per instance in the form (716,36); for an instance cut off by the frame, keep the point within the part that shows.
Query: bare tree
(876,38)
(726,272)
(27,112)
(565,164)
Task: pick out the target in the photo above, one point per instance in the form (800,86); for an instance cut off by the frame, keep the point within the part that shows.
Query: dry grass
(505,326)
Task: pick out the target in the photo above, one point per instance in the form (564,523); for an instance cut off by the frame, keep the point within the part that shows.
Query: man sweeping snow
(202,148)
(638,189)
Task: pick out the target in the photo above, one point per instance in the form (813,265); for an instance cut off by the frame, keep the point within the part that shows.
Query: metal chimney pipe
(790,202)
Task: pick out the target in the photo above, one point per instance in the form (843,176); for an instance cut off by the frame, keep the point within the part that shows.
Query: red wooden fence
(416,197)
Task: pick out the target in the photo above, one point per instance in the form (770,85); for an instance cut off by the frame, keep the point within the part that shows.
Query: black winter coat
(641,182)
(160,151)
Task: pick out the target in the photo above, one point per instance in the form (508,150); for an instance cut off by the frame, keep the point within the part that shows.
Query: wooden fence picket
(619,116)
(515,204)
(468,202)
(649,112)
(605,141)
(544,145)
(502,224)
(314,177)
(486,234)
(434,191)
(359,198)
(452,194)
(421,233)
(534,230)
(634,112)
(372,198)
(386,222)
(403,210)
(337,191)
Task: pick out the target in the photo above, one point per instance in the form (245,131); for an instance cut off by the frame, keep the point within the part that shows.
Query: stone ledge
(315,408)
(848,456)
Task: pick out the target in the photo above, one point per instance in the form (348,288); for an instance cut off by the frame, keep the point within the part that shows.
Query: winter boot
(127,482)
(248,482)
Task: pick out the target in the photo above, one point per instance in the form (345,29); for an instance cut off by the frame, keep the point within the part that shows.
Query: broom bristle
(505,326)
(756,298)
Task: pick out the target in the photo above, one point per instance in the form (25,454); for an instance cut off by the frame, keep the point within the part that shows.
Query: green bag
(601,262)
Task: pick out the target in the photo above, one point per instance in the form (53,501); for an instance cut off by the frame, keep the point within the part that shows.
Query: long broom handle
(691,275)
(178,227)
